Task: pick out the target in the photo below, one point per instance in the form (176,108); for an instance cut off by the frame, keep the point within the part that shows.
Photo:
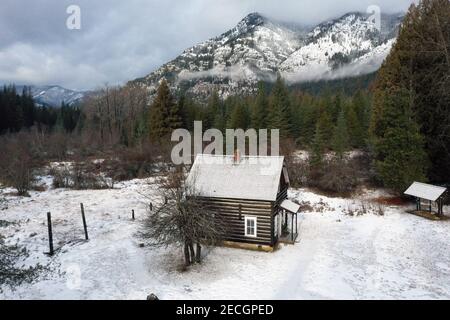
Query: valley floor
(338,256)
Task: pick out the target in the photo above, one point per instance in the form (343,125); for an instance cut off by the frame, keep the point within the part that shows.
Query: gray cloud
(121,40)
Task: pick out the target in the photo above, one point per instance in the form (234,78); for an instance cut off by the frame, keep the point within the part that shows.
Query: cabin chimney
(236,156)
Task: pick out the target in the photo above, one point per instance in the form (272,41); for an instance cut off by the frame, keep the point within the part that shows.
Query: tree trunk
(198,257)
(187,257)
(191,249)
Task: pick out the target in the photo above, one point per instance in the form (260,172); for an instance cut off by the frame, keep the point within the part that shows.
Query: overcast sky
(120,40)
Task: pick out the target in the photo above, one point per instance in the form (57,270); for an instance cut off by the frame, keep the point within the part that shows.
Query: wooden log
(50,233)
(84,222)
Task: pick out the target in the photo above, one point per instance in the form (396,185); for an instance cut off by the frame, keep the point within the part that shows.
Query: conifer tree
(317,148)
(279,109)
(361,106)
(354,127)
(340,136)
(239,117)
(419,62)
(400,157)
(164,113)
(307,113)
(213,110)
(325,126)
(260,108)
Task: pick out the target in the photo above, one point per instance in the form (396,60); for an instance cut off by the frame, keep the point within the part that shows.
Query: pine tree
(239,118)
(164,113)
(317,148)
(307,114)
(213,110)
(400,157)
(259,110)
(279,109)
(361,106)
(325,126)
(420,63)
(340,136)
(354,127)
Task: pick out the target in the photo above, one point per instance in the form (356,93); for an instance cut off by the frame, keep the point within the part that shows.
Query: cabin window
(250,226)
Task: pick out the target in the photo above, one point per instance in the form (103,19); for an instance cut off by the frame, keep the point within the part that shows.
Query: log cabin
(250,194)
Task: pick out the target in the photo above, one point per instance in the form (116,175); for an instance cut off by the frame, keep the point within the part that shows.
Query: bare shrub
(61,177)
(333,175)
(81,176)
(364,207)
(57,146)
(337,176)
(17,164)
(138,162)
(380,209)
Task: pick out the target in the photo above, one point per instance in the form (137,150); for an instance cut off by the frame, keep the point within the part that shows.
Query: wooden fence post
(132,214)
(50,232)
(84,222)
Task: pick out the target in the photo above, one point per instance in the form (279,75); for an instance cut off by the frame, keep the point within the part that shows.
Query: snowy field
(337,256)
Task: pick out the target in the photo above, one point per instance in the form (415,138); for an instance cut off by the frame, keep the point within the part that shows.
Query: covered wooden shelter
(426,195)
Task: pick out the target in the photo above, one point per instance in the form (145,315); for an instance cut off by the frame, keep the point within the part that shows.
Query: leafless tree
(115,114)
(182,219)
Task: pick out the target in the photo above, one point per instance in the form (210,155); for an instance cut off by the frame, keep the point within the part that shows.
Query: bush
(138,162)
(17,164)
(61,177)
(80,176)
(337,176)
(332,175)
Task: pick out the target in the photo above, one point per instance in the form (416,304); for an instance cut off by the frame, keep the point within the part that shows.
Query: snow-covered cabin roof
(290,206)
(425,191)
(253,177)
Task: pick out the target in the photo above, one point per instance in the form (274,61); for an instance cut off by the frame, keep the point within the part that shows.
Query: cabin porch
(287,223)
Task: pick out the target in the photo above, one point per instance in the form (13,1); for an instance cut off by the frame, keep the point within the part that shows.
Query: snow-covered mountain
(53,96)
(258,48)
(348,46)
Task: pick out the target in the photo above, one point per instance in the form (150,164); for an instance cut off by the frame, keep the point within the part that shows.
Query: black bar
(84,222)
(50,232)
(132,214)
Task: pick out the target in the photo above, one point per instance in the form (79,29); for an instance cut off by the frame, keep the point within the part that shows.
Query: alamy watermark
(235,145)
(73,276)
(73,21)
(375,16)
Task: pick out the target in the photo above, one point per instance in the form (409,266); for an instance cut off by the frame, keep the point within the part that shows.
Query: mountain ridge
(53,95)
(259,48)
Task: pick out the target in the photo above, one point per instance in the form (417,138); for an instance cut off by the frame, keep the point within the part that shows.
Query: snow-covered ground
(338,256)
